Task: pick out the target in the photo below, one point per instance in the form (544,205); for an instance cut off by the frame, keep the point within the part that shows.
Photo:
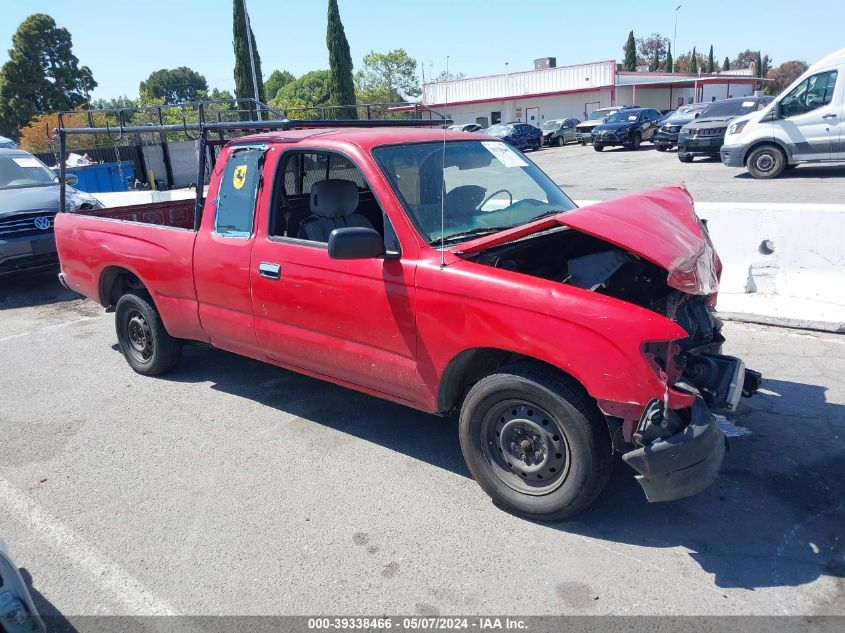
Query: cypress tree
(669,66)
(693,62)
(630,62)
(243,69)
(758,68)
(341,85)
(727,64)
(711,63)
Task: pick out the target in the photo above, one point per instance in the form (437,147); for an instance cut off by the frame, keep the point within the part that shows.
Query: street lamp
(675,37)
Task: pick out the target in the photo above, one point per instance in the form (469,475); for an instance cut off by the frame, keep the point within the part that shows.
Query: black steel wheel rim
(138,336)
(525,447)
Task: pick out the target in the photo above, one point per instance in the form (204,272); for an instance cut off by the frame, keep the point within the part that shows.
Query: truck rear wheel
(146,345)
(535,442)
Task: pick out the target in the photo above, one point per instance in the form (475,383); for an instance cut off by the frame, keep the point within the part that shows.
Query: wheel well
(114,282)
(760,143)
(470,366)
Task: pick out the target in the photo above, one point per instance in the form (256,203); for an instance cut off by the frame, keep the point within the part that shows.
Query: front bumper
(612,138)
(708,146)
(731,155)
(584,137)
(683,464)
(27,253)
(665,139)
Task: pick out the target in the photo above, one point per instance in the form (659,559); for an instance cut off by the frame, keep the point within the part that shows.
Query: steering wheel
(492,195)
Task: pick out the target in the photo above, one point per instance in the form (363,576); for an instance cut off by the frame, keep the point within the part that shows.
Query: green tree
(651,49)
(243,69)
(711,63)
(784,75)
(630,50)
(277,80)
(311,90)
(387,77)
(693,62)
(669,65)
(341,86)
(175,85)
(726,65)
(42,74)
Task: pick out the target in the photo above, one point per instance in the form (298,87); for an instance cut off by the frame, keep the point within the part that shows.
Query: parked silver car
(559,132)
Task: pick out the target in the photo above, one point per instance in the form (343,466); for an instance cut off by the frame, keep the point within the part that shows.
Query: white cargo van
(805,123)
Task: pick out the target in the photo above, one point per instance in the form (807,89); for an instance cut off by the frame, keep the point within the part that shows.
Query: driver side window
(814,92)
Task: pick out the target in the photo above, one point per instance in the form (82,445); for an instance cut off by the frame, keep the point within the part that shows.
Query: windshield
(730,107)
(500,129)
(600,114)
(683,115)
(21,170)
(625,116)
(489,187)
(550,126)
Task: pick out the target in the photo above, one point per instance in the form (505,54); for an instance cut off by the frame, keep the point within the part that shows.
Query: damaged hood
(659,225)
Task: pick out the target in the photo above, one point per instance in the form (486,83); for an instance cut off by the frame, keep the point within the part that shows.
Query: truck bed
(153,242)
(174,213)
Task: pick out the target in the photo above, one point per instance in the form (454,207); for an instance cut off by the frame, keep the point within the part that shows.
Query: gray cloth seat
(333,205)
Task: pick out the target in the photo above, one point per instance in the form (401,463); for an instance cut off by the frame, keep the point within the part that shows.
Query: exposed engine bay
(694,364)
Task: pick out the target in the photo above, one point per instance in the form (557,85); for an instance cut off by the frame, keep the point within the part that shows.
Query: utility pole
(675,37)
(251,59)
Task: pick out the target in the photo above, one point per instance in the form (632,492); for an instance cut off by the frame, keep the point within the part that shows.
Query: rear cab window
(235,211)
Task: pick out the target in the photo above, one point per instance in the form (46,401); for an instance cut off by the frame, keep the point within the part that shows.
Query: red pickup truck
(444,271)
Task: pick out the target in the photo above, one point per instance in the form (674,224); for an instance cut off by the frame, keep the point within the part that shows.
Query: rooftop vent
(545,62)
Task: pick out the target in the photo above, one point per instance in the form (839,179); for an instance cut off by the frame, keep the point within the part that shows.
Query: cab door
(223,249)
(349,320)
(810,117)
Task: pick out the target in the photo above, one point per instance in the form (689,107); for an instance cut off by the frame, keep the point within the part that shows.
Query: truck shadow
(25,290)
(773,518)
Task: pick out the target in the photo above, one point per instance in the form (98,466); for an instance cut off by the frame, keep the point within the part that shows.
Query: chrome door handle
(269,270)
(829,116)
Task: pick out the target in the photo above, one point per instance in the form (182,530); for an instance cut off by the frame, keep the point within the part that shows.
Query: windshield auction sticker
(504,154)
(26,162)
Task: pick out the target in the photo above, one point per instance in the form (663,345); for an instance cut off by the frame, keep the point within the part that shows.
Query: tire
(537,145)
(559,141)
(636,139)
(684,158)
(598,147)
(529,407)
(146,345)
(583,143)
(660,148)
(766,161)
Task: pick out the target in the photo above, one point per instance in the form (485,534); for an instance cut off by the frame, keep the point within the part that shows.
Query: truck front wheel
(147,346)
(535,442)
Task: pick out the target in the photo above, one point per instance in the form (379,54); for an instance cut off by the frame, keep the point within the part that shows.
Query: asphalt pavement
(232,487)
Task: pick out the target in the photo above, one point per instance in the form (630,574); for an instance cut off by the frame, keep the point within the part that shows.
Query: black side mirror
(355,242)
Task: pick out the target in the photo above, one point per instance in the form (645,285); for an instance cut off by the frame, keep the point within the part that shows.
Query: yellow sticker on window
(239,177)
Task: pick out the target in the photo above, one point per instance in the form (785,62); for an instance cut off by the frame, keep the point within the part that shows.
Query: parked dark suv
(520,135)
(627,128)
(705,135)
(666,136)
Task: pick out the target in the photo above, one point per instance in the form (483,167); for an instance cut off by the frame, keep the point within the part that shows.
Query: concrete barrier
(783,263)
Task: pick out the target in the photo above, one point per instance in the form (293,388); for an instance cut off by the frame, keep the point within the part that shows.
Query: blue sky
(479,37)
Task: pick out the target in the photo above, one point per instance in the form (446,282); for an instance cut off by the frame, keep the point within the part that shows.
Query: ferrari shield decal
(239,177)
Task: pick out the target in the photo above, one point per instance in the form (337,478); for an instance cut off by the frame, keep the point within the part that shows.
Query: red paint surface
(391,327)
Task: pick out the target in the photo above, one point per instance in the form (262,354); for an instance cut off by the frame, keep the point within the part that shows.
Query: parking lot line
(108,576)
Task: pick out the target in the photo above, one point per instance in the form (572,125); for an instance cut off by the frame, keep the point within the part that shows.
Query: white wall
(558,79)
(552,107)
